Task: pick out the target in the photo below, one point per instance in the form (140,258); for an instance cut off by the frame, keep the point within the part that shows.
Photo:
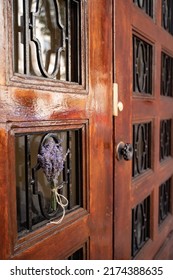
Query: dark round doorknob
(124,151)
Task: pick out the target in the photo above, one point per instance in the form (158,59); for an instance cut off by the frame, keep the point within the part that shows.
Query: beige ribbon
(59,199)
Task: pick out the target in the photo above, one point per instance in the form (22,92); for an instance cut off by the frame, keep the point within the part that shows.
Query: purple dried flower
(51,158)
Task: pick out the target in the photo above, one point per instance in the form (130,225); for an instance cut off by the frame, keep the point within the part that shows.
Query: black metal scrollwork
(48,176)
(164,200)
(48,38)
(53,29)
(145,5)
(166,75)
(51,160)
(140,225)
(165,139)
(142,66)
(142,148)
(167,15)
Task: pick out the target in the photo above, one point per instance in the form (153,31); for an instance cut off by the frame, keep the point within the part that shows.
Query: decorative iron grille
(145,5)
(142,148)
(165,139)
(166,75)
(164,200)
(140,225)
(142,66)
(47,39)
(167,15)
(48,177)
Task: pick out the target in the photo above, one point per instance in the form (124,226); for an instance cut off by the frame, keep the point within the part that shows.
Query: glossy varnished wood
(138,109)
(27,101)
(122,129)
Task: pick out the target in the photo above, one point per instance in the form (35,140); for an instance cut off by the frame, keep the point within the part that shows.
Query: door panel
(56,127)
(143,186)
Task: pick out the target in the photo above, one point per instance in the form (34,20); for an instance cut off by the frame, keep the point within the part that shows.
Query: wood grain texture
(26,101)
(140,108)
(166,250)
(122,128)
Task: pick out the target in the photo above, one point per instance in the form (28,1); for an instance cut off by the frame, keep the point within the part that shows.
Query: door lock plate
(117,105)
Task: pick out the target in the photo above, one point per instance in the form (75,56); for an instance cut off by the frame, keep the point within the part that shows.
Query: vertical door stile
(122,128)
(143,44)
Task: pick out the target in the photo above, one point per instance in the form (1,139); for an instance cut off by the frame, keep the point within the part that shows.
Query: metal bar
(171,82)
(69,170)
(78,159)
(75,44)
(26,35)
(149,54)
(171,16)
(68,41)
(28,183)
(78,35)
(135,47)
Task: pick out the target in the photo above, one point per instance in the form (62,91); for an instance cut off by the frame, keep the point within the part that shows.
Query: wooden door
(143,47)
(56,129)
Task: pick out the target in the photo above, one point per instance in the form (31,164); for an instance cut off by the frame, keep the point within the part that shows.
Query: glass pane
(78,255)
(142,148)
(166,75)
(164,200)
(165,139)
(140,225)
(18,37)
(142,66)
(48,176)
(20,183)
(167,15)
(47,39)
(145,5)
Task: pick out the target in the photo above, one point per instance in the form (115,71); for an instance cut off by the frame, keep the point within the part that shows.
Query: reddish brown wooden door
(56,129)
(143,186)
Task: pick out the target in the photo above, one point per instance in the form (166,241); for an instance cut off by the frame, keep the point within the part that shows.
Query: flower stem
(53,199)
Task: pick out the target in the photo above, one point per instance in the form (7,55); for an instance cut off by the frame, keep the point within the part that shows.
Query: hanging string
(59,199)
